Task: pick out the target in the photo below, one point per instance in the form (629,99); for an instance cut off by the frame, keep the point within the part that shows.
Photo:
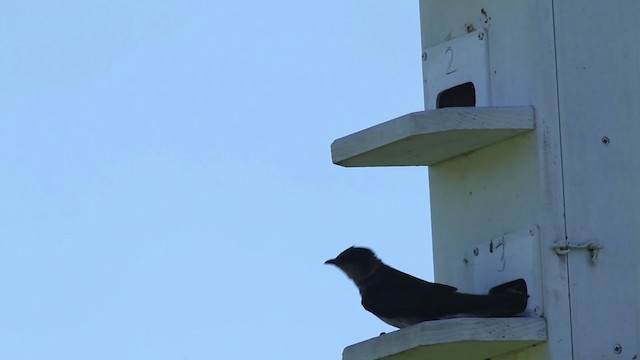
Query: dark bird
(401,300)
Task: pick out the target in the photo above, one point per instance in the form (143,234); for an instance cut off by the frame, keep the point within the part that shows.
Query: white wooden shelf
(432,136)
(452,339)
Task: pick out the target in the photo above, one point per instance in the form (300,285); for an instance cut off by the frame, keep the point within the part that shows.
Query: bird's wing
(407,281)
(395,293)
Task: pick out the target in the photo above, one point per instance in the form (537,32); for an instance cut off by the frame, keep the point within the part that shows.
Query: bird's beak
(330,261)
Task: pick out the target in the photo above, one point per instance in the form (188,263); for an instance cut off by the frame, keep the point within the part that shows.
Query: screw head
(617,348)
(605,140)
(481,35)
(424,56)
(476,251)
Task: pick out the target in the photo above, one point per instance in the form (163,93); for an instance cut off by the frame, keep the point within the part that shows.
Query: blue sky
(167,190)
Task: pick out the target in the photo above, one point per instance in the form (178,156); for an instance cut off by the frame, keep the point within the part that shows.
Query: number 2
(450,52)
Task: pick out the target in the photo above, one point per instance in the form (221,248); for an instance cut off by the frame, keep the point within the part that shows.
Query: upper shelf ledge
(453,339)
(428,137)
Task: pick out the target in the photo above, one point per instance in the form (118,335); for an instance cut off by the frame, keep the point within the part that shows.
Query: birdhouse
(530,136)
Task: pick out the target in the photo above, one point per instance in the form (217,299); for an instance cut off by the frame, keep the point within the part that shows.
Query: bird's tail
(504,300)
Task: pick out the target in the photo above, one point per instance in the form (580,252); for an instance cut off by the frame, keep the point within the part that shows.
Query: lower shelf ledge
(461,338)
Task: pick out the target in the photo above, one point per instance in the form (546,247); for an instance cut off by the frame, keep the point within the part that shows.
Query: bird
(402,300)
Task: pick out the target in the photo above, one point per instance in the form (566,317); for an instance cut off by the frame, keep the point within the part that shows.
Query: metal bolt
(424,56)
(481,36)
(465,260)
(476,251)
(617,348)
(605,140)
(532,231)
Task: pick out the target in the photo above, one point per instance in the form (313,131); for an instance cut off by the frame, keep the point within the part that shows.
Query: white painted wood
(598,52)
(510,185)
(480,196)
(461,60)
(429,137)
(452,339)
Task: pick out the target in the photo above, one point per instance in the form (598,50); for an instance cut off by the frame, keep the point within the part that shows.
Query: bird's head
(357,262)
